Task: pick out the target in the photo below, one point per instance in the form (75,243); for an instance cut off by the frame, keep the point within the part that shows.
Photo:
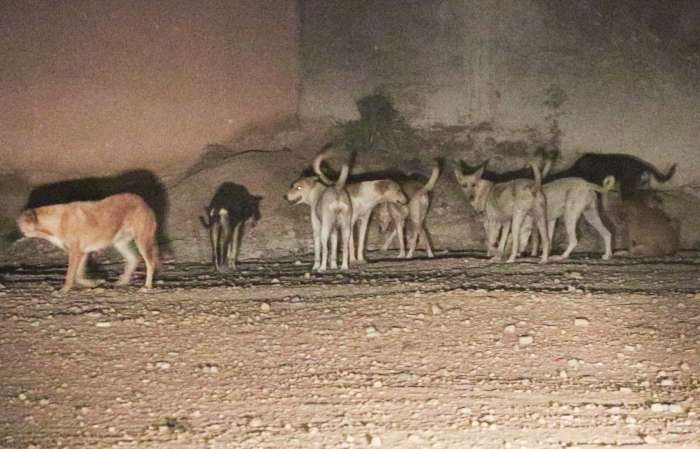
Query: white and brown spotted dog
(409,217)
(82,227)
(507,203)
(364,196)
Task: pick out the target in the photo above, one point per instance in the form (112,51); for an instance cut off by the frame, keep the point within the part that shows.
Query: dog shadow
(143,183)
(231,207)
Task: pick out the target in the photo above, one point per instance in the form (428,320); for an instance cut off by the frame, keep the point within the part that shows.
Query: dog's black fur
(628,171)
(241,207)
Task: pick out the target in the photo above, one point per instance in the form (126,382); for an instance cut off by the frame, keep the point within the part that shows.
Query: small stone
(510,329)
(675,408)
(666,382)
(563,374)
(648,439)
(264,307)
(685,367)
(374,441)
(525,340)
(581,322)
(103,324)
(435,309)
(255,422)
(658,407)
(371,332)
(163,365)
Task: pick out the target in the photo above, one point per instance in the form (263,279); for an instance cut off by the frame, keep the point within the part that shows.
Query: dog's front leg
(492,228)
(75,259)
(505,233)
(362,234)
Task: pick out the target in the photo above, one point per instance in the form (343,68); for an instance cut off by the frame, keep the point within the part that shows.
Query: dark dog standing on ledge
(229,209)
(629,171)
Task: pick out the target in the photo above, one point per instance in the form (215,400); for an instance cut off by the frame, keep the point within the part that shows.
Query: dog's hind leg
(334,249)
(233,247)
(316,228)
(132,260)
(345,232)
(426,239)
(593,218)
(516,224)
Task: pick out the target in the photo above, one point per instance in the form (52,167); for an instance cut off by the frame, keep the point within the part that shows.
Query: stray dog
(364,195)
(649,231)
(413,213)
(230,208)
(630,172)
(570,198)
(507,203)
(331,209)
(82,227)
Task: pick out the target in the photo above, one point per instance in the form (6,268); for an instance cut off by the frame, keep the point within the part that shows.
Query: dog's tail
(608,185)
(342,179)
(317,169)
(430,185)
(660,176)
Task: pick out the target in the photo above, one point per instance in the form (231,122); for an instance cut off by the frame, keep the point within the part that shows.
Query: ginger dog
(82,227)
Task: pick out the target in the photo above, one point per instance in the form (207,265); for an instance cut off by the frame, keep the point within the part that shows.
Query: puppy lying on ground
(82,227)
(231,207)
(331,210)
(364,196)
(409,217)
(649,231)
(508,202)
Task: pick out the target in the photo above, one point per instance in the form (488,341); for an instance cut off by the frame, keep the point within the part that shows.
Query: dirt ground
(455,352)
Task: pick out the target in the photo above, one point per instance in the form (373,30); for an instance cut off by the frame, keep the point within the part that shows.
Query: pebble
(525,340)
(163,365)
(581,322)
(435,309)
(371,332)
(685,366)
(265,307)
(666,382)
(675,408)
(255,422)
(103,324)
(648,439)
(510,329)
(374,441)
(658,407)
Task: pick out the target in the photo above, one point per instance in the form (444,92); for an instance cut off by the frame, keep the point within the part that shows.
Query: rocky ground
(455,352)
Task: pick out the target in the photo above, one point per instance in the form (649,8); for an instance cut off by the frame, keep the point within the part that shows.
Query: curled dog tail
(660,176)
(430,185)
(317,169)
(342,179)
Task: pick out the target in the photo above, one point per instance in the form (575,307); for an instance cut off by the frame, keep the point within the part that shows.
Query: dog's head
(470,180)
(28,223)
(390,191)
(300,191)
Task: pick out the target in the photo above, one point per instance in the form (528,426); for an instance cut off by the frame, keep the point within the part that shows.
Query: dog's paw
(606,256)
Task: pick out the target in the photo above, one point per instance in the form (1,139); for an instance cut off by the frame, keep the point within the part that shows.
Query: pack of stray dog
(511,205)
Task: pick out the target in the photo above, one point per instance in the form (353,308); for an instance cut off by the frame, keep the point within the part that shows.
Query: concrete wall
(102,85)
(629,86)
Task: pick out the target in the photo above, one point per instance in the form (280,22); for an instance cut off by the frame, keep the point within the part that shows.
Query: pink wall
(102,85)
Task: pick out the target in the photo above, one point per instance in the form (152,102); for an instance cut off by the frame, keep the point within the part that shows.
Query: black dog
(229,209)
(629,171)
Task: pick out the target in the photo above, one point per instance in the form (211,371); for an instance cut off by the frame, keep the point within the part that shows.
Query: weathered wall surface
(629,80)
(93,86)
